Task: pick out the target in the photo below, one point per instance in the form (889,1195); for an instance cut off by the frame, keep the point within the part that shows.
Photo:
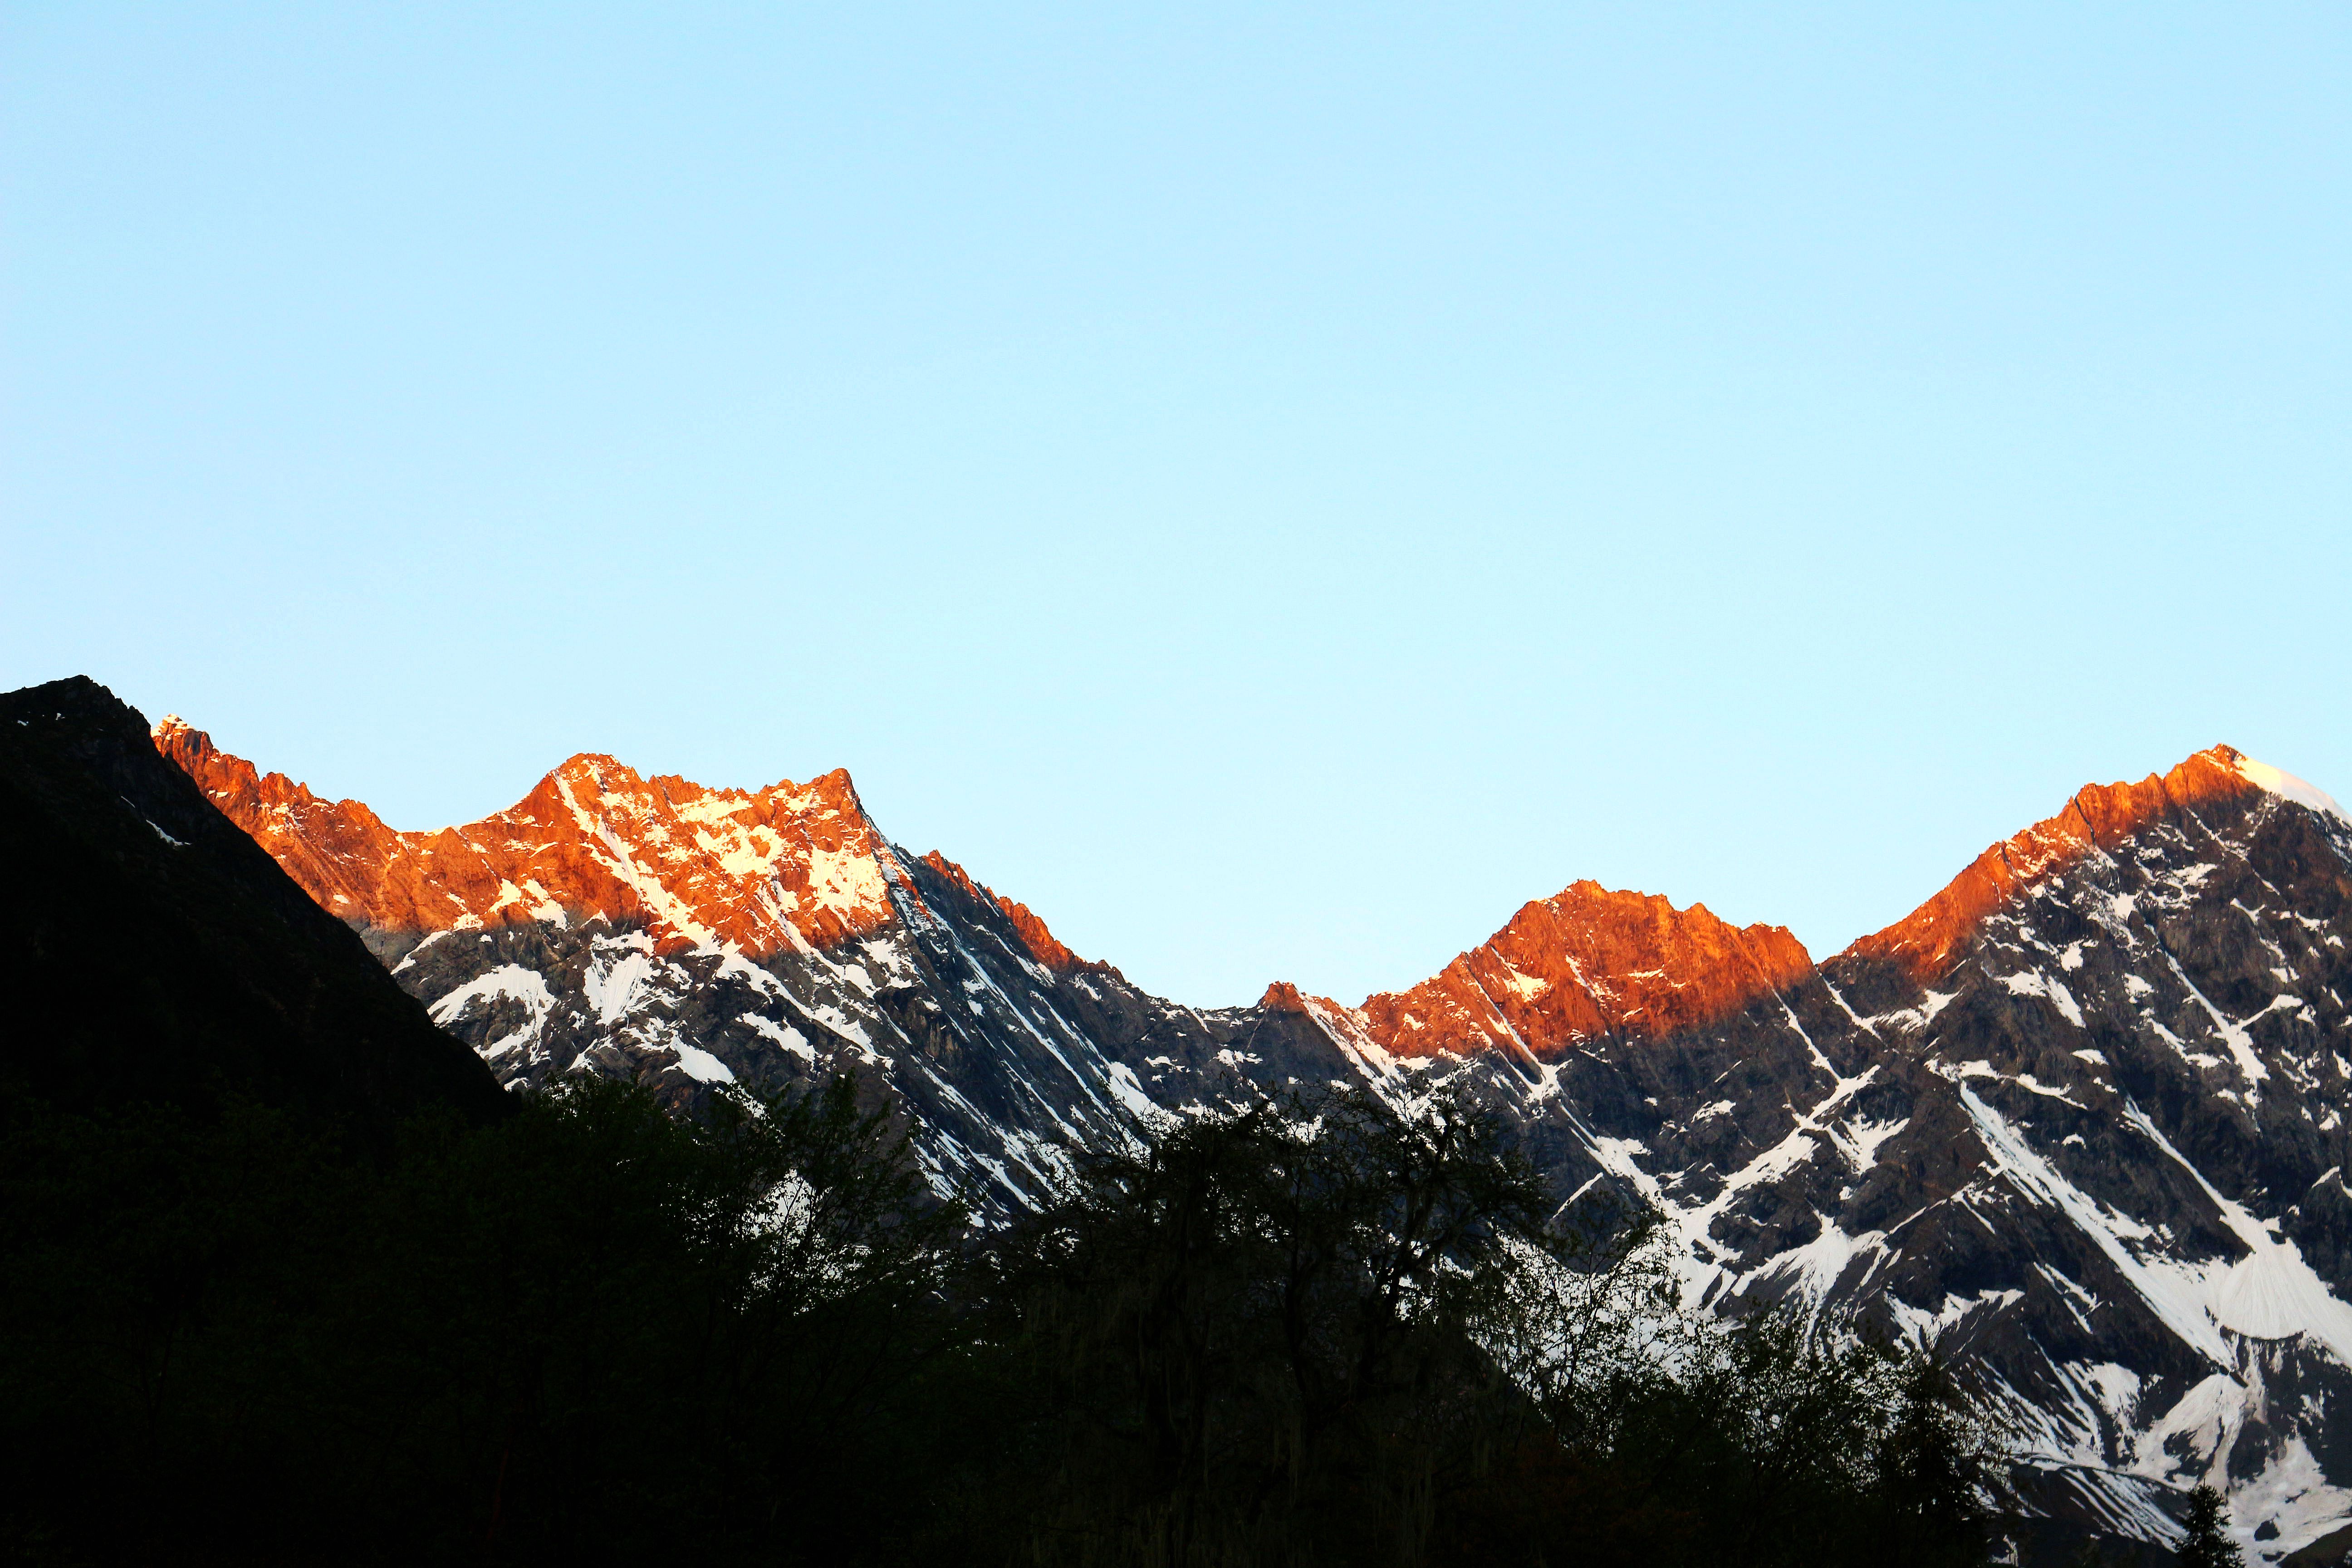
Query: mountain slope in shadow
(150,950)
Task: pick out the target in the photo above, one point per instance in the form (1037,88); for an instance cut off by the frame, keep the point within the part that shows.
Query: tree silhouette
(2206,1545)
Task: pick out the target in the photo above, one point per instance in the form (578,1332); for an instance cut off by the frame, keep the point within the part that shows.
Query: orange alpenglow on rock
(1586,963)
(791,866)
(1346,1024)
(1282,996)
(1929,940)
(1041,942)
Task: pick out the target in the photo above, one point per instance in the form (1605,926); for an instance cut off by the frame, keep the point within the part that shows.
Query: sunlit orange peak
(1929,940)
(1586,963)
(760,871)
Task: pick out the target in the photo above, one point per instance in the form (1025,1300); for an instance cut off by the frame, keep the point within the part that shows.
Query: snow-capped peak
(2286,786)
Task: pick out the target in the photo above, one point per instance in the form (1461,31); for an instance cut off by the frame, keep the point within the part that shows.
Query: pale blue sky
(1273,488)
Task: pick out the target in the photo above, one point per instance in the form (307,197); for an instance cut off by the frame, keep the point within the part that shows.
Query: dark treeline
(594,1332)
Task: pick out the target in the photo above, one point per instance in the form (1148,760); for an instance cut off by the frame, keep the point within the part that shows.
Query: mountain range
(2079,1117)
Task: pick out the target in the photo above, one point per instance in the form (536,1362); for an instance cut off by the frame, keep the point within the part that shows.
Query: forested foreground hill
(598,1333)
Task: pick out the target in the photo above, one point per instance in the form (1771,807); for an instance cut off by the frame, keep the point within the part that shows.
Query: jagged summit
(2096,818)
(795,864)
(1587,962)
(1592,960)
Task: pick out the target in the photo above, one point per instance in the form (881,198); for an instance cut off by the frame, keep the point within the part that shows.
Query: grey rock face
(2099,1158)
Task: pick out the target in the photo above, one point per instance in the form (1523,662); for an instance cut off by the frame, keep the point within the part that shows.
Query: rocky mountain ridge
(792,866)
(2080,1116)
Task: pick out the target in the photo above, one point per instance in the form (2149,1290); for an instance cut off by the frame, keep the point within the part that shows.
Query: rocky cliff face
(2081,1116)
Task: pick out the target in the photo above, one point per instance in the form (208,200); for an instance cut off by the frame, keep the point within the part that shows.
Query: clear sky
(1273,488)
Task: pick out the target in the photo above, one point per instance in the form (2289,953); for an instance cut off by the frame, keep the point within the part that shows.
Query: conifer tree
(2206,1545)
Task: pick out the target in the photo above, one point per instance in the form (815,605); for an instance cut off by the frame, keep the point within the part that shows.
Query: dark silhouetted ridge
(150,950)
